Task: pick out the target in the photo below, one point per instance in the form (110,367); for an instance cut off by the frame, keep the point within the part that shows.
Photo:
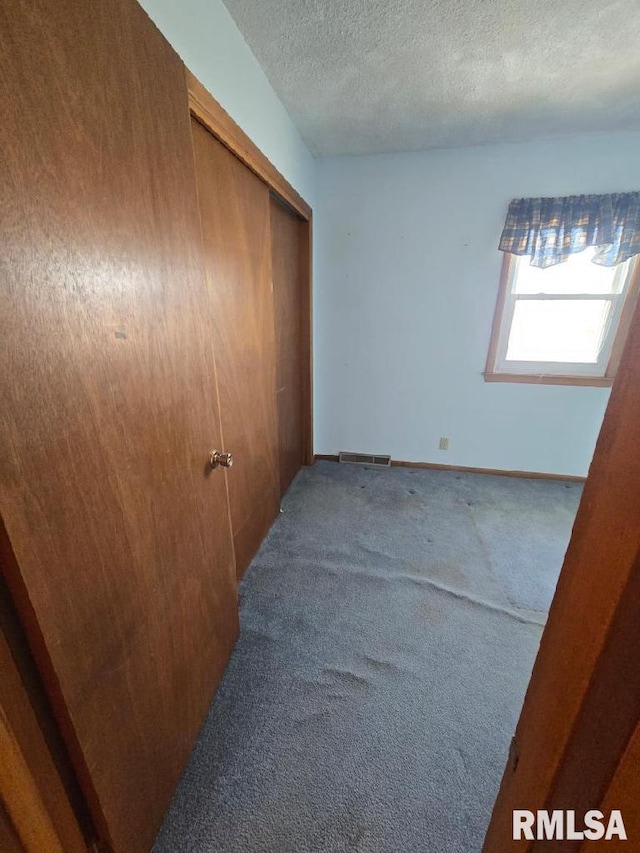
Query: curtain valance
(549,230)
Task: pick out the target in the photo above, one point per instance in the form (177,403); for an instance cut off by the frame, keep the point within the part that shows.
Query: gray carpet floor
(389,624)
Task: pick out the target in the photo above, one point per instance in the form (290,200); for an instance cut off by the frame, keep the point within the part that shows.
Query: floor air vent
(364,459)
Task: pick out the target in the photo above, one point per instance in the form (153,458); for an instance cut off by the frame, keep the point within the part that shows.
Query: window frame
(583,374)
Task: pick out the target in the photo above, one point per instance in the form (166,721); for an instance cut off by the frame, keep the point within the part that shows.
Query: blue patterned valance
(551,229)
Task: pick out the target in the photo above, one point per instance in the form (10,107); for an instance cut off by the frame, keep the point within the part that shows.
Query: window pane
(577,275)
(558,330)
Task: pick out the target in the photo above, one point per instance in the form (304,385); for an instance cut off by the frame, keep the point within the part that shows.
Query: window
(564,324)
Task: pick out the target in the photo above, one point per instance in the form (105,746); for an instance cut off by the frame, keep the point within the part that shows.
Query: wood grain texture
(599,737)
(623,794)
(218,121)
(234,205)
(125,583)
(22,797)
(291,318)
(36,781)
(9,841)
(583,647)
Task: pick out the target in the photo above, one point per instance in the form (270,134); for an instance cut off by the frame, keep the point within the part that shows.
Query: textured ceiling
(363,76)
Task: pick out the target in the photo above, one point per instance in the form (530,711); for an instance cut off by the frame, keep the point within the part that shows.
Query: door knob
(216,458)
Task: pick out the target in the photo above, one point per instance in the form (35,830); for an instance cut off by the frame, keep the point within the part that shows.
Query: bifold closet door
(124,574)
(291,311)
(234,205)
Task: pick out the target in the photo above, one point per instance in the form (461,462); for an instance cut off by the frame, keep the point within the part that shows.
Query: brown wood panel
(234,205)
(211,115)
(36,781)
(22,796)
(9,841)
(214,117)
(291,322)
(590,640)
(599,737)
(623,794)
(125,579)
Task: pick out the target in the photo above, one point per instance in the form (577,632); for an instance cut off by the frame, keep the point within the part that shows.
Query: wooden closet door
(234,205)
(120,530)
(37,785)
(291,315)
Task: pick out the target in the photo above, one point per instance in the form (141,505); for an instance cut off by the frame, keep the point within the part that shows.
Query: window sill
(547,379)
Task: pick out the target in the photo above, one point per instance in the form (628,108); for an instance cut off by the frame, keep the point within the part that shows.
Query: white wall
(406,284)
(205,36)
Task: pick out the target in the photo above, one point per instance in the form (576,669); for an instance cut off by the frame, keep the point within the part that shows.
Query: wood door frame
(580,714)
(23,785)
(36,776)
(208,112)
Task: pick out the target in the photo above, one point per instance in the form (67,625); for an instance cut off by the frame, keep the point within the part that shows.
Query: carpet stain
(385,647)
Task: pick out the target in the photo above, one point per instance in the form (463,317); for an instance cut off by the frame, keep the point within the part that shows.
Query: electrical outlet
(444,442)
